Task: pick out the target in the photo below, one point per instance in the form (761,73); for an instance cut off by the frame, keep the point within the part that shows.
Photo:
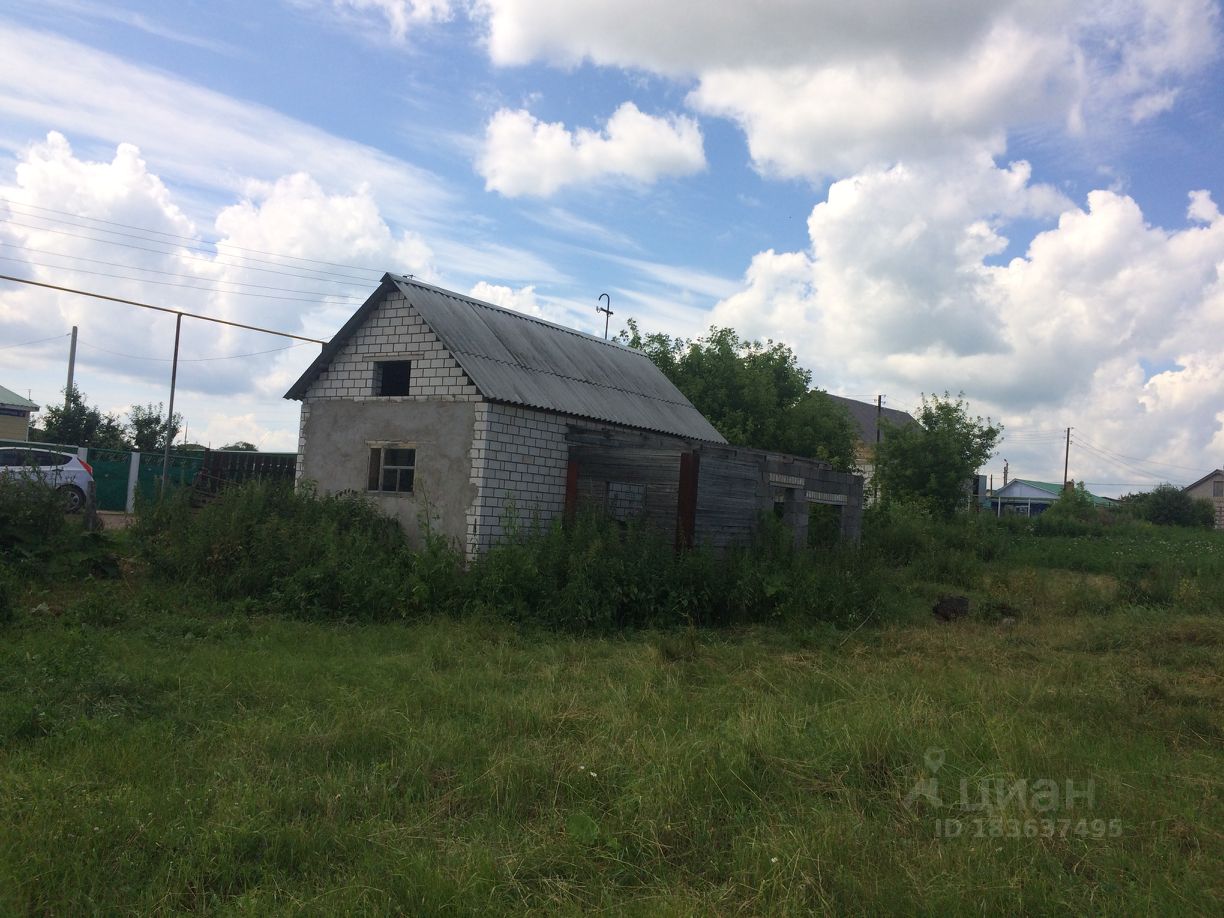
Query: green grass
(167,751)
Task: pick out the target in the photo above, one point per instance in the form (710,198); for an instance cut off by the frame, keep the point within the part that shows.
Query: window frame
(1217,488)
(380,449)
(377,383)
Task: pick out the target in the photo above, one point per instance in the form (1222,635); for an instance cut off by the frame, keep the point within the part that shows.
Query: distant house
(1023,497)
(15,414)
(1211,487)
(443,407)
(868,431)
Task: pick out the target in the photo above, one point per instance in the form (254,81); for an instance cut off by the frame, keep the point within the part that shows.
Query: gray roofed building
(523,360)
(439,405)
(865,414)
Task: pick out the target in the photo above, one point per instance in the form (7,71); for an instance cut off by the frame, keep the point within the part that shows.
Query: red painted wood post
(686,501)
(571,490)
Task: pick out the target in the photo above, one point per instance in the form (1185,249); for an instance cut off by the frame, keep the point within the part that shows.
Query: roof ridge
(455,295)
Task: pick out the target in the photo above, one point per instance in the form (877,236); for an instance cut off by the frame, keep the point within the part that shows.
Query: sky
(1017,201)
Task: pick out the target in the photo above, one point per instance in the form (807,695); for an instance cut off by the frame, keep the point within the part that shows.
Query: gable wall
(1206,491)
(437,416)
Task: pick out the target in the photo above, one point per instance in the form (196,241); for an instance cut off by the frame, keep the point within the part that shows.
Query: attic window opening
(1217,489)
(392,377)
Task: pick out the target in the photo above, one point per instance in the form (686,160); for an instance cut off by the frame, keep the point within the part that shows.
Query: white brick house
(437,404)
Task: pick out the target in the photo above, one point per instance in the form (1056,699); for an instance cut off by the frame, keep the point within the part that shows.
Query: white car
(63,471)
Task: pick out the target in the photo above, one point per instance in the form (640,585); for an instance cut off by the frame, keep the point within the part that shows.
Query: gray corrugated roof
(864,416)
(522,360)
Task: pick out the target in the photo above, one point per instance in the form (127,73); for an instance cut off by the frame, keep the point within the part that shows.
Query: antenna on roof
(607,312)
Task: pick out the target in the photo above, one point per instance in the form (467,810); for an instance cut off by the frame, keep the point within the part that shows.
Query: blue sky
(1013,200)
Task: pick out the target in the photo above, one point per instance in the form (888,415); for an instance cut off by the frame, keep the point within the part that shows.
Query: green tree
(241,446)
(933,461)
(754,394)
(146,427)
(1169,505)
(77,423)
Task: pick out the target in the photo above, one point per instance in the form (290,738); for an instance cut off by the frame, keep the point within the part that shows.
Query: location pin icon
(934,758)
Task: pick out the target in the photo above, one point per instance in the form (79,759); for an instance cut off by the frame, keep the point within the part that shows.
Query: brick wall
(392,331)
(519,463)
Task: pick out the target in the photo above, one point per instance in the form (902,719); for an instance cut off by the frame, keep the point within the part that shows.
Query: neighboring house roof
(864,416)
(1050,489)
(522,360)
(10,399)
(1207,477)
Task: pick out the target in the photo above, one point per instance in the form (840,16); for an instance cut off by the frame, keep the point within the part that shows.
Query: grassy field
(164,751)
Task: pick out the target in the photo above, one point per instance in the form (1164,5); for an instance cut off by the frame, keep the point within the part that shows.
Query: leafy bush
(38,541)
(337,557)
(1168,505)
(287,551)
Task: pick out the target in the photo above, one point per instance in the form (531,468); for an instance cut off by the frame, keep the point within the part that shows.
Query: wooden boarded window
(392,469)
(625,500)
(392,377)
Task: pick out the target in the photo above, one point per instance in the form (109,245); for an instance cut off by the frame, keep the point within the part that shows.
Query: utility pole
(1067,459)
(178,327)
(875,458)
(71,366)
(607,312)
(1005,473)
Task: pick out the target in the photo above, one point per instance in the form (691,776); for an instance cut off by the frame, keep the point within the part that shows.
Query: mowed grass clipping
(162,755)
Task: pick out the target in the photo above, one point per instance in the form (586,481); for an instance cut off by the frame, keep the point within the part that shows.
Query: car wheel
(74,498)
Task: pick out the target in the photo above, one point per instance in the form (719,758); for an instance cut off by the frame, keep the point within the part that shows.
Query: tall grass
(336,557)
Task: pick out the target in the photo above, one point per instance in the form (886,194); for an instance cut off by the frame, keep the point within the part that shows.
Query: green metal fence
(112,470)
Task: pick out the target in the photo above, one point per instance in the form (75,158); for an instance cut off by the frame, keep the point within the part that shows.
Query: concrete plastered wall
(340,434)
(341,415)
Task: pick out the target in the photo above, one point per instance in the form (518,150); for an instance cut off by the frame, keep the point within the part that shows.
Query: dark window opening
(392,377)
(824,525)
(1217,489)
(392,468)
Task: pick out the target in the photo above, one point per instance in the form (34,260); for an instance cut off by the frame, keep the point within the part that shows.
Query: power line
(1122,464)
(36,341)
(274,350)
(191,239)
(146,280)
(115,264)
(173,312)
(1167,465)
(213,259)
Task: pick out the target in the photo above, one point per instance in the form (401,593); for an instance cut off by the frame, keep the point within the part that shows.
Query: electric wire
(35,341)
(334,264)
(142,280)
(115,264)
(167,309)
(274,350)
(1167,465)
(350,279)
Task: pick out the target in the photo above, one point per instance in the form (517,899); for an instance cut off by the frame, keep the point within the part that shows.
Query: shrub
(1168,505)
(290,552)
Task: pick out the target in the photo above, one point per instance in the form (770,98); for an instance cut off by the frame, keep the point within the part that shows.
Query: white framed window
(392,468)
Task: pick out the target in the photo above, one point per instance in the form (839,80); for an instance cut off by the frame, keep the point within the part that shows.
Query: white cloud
(822,88)
(902,288)
(521,300)
(331,249)
(523,156)
(396,17)
(196,136)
